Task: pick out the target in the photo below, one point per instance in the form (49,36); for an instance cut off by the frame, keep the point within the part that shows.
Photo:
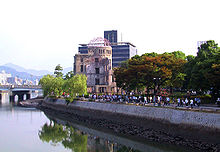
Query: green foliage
(153,54)
(52,85)
(69,75)
(151,70)
(67,136)
(58,71)
(75,85)
(76,141)
(177,54)
(173,70)
(54,133)
(126,149)
(55,86)
(203,71)
(47,82)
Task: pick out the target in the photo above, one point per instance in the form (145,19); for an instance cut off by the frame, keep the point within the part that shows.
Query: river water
(31,130)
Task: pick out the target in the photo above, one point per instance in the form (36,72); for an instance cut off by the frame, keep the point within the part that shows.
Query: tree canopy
(71,84)
(58,71)
(173,70)
(149,70)
(66,135)
(203,71)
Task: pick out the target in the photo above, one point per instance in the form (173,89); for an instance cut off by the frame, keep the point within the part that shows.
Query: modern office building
(95,61)
(121,51)
(112,36)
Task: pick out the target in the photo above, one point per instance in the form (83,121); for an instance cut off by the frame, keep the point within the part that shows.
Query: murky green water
(30,130)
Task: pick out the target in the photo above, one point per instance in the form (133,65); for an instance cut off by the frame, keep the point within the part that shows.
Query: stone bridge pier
(2,93)
(20,94)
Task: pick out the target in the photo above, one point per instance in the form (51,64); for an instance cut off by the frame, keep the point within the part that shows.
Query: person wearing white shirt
(191,103)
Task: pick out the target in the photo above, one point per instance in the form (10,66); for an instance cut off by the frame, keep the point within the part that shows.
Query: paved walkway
(202,107)
(208,108)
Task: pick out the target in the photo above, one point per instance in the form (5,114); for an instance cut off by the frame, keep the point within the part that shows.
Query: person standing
(191,103)
(186,101)
(178,102)
(198,101)
(168,100)
(145,99)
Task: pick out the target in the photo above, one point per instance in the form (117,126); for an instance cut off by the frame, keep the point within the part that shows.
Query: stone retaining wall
(173,116)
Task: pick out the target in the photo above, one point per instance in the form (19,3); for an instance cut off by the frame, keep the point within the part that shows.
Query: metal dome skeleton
(99,42)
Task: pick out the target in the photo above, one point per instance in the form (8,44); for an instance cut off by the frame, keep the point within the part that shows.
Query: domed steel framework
(99,42)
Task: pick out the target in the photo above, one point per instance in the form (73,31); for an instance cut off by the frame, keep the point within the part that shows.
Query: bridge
(23,92)
(19,87)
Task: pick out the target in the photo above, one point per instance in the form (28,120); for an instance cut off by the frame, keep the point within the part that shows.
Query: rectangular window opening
(96,81)
(96,70)
(81,68)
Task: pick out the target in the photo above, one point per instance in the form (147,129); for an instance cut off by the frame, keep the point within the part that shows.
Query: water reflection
(69,137)
(78,141)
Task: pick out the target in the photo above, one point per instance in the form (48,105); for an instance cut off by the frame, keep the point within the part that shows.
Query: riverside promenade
(203,107)
(199,117)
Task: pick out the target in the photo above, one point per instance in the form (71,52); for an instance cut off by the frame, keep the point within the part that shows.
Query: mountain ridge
(21,72)
(31,71)
(22,75)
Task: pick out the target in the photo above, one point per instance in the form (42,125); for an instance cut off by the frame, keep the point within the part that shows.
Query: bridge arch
(22,95)
(16,98)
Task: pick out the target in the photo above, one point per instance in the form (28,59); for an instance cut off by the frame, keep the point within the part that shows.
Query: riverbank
(112,137)
(157,130)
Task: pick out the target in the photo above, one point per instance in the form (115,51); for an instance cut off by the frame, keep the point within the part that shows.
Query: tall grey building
(111,36)
(121,51)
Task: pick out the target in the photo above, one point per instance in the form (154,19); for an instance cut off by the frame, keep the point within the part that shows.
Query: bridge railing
(20,86)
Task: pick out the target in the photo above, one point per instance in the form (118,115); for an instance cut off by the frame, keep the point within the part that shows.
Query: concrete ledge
(192,118)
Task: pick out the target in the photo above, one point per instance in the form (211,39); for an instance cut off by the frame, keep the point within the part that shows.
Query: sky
(40,34)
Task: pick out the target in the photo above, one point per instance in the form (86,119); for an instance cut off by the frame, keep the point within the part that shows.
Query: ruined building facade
(96,64)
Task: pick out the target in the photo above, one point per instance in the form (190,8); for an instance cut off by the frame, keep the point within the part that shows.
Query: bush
(86,96)
(206,99)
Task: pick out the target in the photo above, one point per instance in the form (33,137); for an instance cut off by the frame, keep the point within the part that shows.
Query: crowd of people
(155,100)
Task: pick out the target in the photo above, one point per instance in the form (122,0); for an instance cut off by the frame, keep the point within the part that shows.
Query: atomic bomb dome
(96,64)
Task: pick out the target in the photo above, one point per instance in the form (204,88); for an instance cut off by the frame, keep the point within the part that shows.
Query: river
(31,130)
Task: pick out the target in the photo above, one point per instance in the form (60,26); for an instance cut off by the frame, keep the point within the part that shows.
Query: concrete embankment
(199,119)
(114,138)
(197,130)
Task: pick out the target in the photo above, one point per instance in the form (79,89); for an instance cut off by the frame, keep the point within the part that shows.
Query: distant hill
(22,75)
(30,71)
(65,70)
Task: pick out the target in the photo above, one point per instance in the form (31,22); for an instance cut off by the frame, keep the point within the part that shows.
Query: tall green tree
(58,71)
(57,86)
(75,85)
(46,83)
(69,75)
(52,85)
(188,71)
(151,70)
(205,73)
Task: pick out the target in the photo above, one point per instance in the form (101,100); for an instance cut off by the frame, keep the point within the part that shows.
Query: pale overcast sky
(40,34)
